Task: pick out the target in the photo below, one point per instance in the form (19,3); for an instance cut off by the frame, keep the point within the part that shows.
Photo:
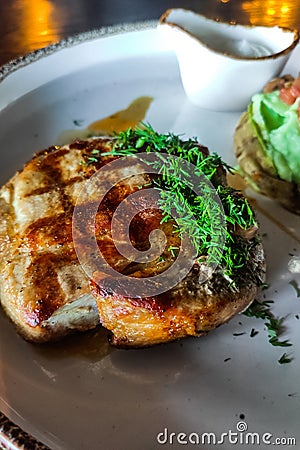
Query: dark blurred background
(26,25)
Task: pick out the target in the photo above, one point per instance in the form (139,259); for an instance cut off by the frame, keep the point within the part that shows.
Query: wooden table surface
(27,25)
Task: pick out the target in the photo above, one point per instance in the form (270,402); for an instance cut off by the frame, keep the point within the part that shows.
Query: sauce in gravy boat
(223,64)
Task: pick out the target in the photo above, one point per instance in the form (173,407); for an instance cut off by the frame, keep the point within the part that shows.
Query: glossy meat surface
(44,290)
(189,309)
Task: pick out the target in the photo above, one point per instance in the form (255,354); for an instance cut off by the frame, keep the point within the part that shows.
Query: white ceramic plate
(76,398)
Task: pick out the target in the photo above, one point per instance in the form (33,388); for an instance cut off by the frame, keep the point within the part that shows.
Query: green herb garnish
(260,310)
(253,332)
(173,250)
(274,326)
(285,359)
(194,214)
(161,259)
(92,159)
(78,122)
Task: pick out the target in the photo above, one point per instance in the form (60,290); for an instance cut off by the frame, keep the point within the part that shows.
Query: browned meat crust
(189,309)
(43,289)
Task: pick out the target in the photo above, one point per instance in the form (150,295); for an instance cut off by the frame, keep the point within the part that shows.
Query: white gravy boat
(223,64)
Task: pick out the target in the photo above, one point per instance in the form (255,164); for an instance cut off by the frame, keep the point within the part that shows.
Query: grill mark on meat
(50,167)
(90,228)
(49,231)
(48,295)
(156,304)
(88,146)
(46,189)
(103,145)
(57,230)
(38,191)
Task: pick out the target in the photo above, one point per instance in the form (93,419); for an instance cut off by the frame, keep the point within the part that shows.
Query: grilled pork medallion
(46,292)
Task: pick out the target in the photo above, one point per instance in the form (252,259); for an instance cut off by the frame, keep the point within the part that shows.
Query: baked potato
(258,164)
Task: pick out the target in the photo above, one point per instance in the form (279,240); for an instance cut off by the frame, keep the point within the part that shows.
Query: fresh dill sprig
(173,250)
(237,208)
(195,215)
(253,332)
(274,326)
(260,310)
(285,359)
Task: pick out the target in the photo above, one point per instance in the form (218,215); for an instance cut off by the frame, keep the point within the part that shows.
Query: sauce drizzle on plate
(121,120)
(128,117)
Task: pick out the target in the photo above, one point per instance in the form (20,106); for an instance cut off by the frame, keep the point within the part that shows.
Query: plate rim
(28,58)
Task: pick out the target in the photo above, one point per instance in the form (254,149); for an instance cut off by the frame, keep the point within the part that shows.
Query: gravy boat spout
(223,64)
